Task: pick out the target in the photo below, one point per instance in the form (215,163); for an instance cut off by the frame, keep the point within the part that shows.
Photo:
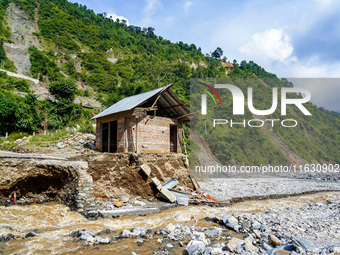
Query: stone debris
(78,141)
(274,241)
(117,204)
(184,195)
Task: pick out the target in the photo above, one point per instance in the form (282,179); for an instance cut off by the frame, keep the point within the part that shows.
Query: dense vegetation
(111,60)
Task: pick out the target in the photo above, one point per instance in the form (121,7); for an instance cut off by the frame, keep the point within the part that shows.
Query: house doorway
(109,137)
(113,136)
(105,137)
(173,138)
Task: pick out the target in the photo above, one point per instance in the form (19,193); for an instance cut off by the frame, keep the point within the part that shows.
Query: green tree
(217,54)
(64,89)
(62,110)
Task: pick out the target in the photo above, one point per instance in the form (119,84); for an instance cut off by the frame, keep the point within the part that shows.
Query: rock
(256,225)
(274,250)
(195,247)
(267,247)
(91,146)
(133,253)
(289,247)
(213,232)
(169,228)
(273,240)
(249,239)
(30,234)
(146,169)
(231,222)
(139,203)
(125,233)
(117,204)
(174,235)
(208,251)
(90,239)
(303,243)
(249,247)
(257,233)
(102,240)
(216,251)
(169,246)
(60,145)
(83,237)
(138,231)
(232,244)
(336,250)
(5,238)
(90,136)
(140,241)
(229,219)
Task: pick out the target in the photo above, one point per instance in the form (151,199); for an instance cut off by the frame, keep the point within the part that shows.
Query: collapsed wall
(63,181)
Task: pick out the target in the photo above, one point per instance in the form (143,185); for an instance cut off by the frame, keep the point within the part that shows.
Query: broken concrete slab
(155,181)
(146,169)
(165,193)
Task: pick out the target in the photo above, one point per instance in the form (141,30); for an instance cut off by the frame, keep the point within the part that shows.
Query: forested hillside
(88,55)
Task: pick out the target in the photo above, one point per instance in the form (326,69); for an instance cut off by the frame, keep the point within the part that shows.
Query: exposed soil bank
(117,176)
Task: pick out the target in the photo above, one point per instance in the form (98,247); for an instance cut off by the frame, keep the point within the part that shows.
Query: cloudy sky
(293,39)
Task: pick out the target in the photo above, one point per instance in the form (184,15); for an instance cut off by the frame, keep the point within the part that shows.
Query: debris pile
(79,141)
(183,195)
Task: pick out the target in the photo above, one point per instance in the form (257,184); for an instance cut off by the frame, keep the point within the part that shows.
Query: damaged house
(150,122)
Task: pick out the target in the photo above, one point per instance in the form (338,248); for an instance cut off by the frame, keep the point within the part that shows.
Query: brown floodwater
(55,222)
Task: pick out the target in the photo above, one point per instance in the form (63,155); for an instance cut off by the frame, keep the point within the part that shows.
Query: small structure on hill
(150,122)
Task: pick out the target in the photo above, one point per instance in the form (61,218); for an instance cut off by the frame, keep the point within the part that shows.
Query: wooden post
(126,142)
(109,137)
(137,151)
(183,137)
(101,136)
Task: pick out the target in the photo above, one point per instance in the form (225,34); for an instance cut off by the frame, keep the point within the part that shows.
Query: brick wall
(153,133)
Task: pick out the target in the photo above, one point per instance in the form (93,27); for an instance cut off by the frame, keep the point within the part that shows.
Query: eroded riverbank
(54,223)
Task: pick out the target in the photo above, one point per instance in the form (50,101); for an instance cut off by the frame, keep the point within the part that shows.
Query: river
(55,222)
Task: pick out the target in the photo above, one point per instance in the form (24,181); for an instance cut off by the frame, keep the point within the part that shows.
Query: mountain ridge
(76,44)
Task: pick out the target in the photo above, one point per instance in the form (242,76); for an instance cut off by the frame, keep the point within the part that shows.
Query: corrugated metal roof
(167,99)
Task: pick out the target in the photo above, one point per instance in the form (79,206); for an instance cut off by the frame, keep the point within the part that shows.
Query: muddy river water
(55,222)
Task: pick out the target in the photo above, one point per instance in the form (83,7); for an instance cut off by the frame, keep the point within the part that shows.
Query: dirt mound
(118,176)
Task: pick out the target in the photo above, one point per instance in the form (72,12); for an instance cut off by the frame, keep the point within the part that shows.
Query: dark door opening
(113,136)
(105,137)
(173,138)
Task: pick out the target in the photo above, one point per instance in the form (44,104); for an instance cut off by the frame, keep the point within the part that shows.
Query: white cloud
(187,5)
(114,17)
(169,19)
(270,45)
(149,10)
